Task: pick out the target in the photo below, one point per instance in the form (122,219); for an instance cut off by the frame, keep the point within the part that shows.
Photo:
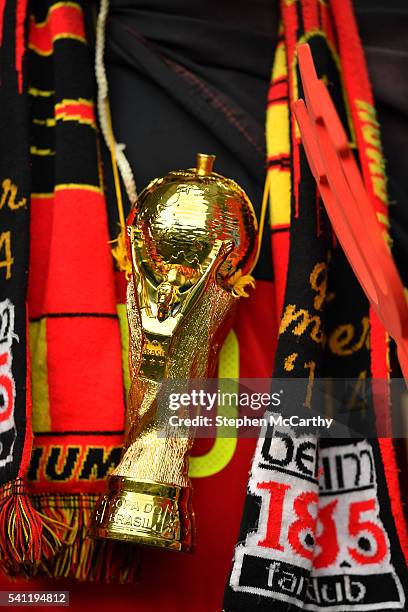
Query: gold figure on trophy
(193,240)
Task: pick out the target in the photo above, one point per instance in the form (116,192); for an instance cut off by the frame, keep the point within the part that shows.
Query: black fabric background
(14,165)
(226,50)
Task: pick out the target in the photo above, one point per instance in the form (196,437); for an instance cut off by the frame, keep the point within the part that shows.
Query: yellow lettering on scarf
(9,194)
(311,366)
(341,339)
(380,188)
(318,282)
(303,320)
(5,244)
(377,162)
(358,398)
(289,363)
(371,134)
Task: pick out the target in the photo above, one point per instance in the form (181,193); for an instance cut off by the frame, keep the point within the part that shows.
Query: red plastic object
(348,205)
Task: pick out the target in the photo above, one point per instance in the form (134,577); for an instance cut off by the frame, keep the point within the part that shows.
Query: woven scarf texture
(64,338)
(319,535)
(69,302)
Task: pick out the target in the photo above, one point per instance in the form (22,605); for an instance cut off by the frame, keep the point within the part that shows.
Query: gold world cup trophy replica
(193,240)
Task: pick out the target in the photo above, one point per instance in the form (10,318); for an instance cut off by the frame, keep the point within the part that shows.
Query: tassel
(81,557)
(26,535)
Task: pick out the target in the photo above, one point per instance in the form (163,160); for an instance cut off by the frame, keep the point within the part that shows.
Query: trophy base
(149,513)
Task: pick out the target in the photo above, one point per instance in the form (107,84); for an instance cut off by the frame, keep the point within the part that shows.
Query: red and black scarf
(323,525)
(55,225)
(62,299)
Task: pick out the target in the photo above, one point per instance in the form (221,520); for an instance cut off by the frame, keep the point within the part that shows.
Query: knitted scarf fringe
(47,535)
(26,536)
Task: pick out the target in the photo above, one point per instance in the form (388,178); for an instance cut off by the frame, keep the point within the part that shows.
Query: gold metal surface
(192,236)
(144,512)
(204,164)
